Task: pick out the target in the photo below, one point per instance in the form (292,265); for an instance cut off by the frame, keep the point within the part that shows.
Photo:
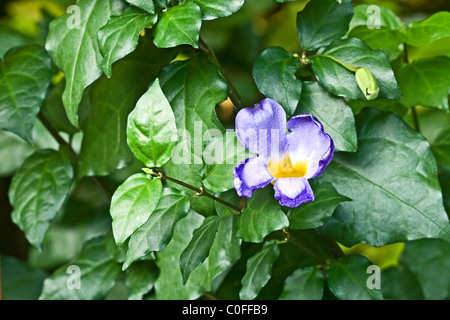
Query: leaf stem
(234,94)
(413,109)
(290,238)
(342,63)
(73,154)
(199,191)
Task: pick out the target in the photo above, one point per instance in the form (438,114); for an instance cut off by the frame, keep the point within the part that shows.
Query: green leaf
(258,271)
(19,281)
(11,39)
(223,254)
(435,27)
(392,179)
(120,35)
(151,129)
(347,279)
(387,39)
(132,204)
(98,274)
(262,216)
(334,113)
(193,88)
(75,50)
(12,147)
(25,74)
(364,15)
(146,5)
(104,147)
(304,284)
(441,148)
(429,261)
(221,156)
(322,22)
(274,73)
(178,25)
(53,110)
(400,284)
(155,234)
(315,214)
(199,247)
(140,279)
(426,82)
(342,82)
(38,190)
(213,9)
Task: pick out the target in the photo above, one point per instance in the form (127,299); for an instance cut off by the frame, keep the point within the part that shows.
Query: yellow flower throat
(286,168)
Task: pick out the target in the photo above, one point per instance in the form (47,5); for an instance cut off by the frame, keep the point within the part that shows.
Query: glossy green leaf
(53,110)
(258,271)
(387,39)
(392,179)
(334,113)
(179,25)
(347,279)
(441,148)
(342,82)
(222,255)
(132,204)
(38,190)
(73,46)
(198,248)
(400,284)
(193,88)
(367,15)
(147,5)
(221,156)
(155,234)
(429,261)
(19,281)
(314,214)
(25,74)
(436,26)
(140,279)
(322,22)
(426,82)
(98,273)
(274,73)
(12,147)
(304,284)
(262,216)
(11,39)
(104,147)
(213,9)
(120,35)
(151,129)
(379,28)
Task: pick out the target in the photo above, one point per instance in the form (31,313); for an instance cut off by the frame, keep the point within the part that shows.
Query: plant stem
(73,154)
(235,96)
(415,118)
(290,238)
(413,109)
(199,191)
(342,63)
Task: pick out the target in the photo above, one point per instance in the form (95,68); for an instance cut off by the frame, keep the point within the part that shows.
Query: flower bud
(367,83)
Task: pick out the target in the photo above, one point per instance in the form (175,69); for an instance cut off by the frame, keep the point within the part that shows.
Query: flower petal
(261,129)
(250,175)
(292,192)
(308,142)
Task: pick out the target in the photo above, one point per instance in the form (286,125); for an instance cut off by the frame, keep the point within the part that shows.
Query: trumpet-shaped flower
(289,153)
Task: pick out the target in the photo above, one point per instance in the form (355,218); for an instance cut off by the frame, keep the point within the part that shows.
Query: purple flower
(287,159)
